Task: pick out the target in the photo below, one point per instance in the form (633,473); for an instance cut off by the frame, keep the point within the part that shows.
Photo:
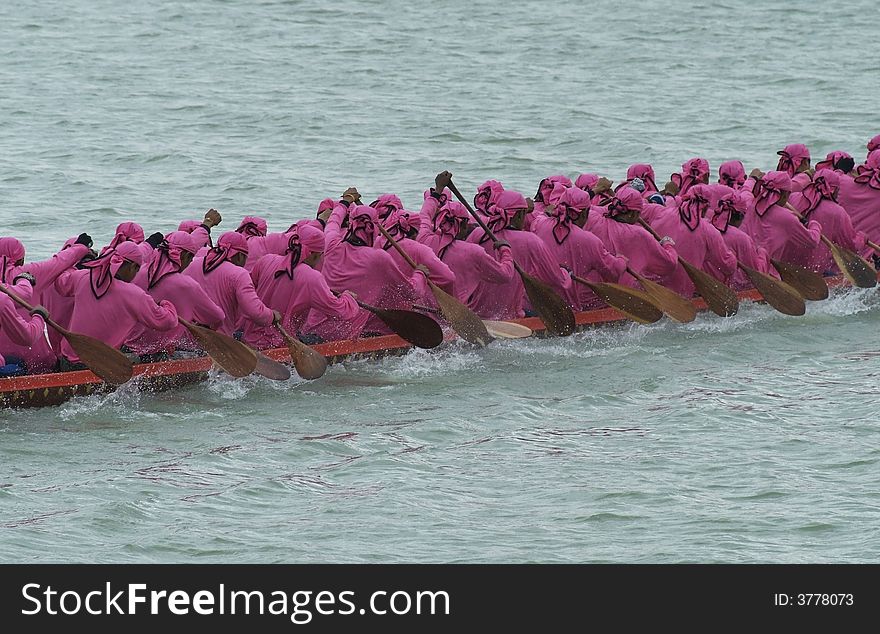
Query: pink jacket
(230,287)
(749,254)
(112,317)
(586,256)
(836,226)
(645,255)
(294,298)
(783,236)
(19,331)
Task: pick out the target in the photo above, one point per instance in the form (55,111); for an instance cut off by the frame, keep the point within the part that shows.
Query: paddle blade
(507,329)
(108,363)
(309,363)
(634,304)
(233,356)
(810,285)
(778,294)
(420,330)
(856,269)
(674,305)
(551,308)
(463,320)
(720,299)
(270,368)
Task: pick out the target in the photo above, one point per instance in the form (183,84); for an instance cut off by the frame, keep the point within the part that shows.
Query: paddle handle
(426,309)
(18,300)
(585,282)
(396,246)
(471,211)
(874,246)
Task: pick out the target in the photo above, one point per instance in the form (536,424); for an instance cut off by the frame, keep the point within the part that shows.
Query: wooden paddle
(634,304)
(854,267)
(498,329)
(233,356)
(674,305)
(873,245)
(777,294)
(463,320)
(420,330)
(270,368)
(551,308)
(108,363)
(720,299)
(810,285)
(309,363)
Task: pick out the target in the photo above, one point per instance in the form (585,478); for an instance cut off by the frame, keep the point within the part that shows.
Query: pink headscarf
(869,172)
(253,227)
(304,240)
(644,172)
(324,205)
(546,186)
(189,225)
(586,181)
(625,199)
(792,157)
(823,186)
(730,201)
(126,232)
(693,172)
(769,190)
(832,161)
(570,203)
(228,245)
(386,204)
(873,144)
(501,213)
(398,224)
(167,258)
(694,204)
(11,251)
(448,222)
(103,270)
(362,221)
(732,174)
(487,194)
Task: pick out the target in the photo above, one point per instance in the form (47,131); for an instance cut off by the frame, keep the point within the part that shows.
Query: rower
(579,251)
(727,215)
(794,159)
(860,196)
(352,263)
(479,277)
(696,241)
(774,227)
(201,230)
(694,171)
(260,242)
(617,226)
(404,227)
(107,305)
(221,273)
(19,332)
(290,284)
(162,280)
(818,201)
(505,219)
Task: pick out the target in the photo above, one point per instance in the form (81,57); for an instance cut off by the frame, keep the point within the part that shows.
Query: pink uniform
(129,232)
(529,253)
(18,332)
(775,228)
(107,308)
(817,202)
(860,196)
(479,277)
(229,286)
(162,280)
(352,263)
(729,202)
(578,250)
(643,172)
(399,225)
(286,284)
(645,255)
(696,241)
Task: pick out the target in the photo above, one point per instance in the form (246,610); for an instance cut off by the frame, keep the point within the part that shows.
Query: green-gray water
(748,439)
